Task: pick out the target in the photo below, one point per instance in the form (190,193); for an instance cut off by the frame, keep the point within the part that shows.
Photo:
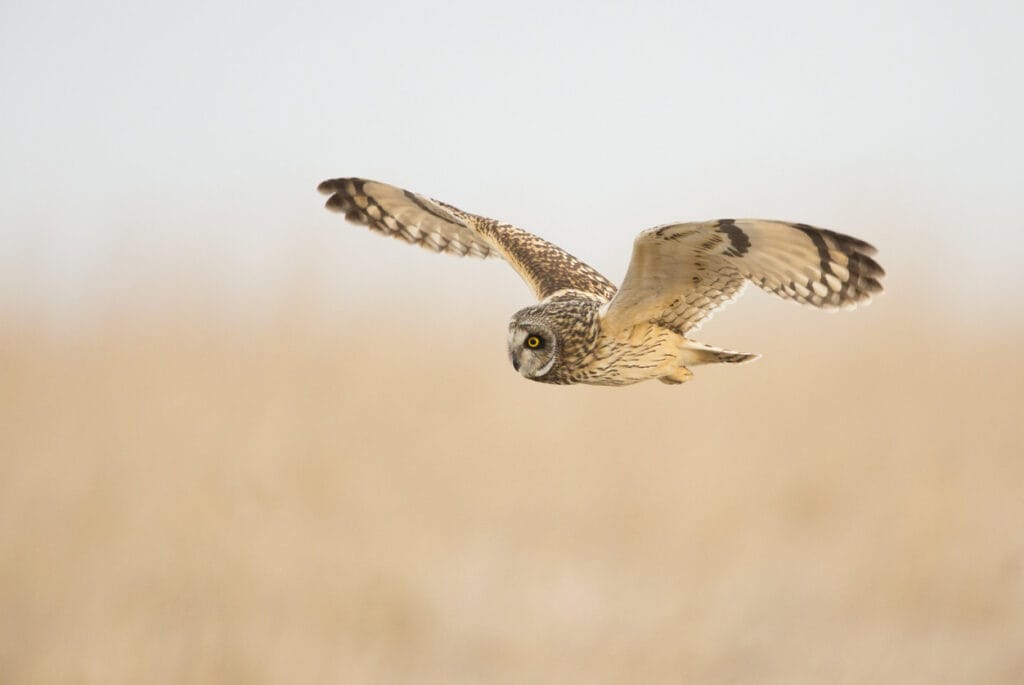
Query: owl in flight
(584,329)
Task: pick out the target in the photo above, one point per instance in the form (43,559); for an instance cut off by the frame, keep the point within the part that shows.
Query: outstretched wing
(437,226)
(679,274)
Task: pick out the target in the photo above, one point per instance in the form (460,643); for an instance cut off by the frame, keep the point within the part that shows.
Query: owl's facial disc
(532,349)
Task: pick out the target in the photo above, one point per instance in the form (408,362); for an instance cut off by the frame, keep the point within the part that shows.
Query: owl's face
(532,348)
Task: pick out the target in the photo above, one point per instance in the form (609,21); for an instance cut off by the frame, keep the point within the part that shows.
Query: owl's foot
(680,374)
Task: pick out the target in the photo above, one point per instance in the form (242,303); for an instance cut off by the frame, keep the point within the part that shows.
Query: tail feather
(697,353)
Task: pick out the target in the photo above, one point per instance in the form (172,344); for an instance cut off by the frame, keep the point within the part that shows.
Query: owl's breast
(638,354)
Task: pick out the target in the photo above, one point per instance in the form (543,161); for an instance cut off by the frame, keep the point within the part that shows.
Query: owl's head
(532,346)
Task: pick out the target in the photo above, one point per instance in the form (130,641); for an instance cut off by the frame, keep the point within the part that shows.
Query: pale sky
(184,140)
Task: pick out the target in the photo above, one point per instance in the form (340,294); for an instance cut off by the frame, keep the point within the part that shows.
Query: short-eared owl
(584,330)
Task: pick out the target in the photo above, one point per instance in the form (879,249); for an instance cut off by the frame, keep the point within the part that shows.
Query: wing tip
(340,192)
(337,203)
(342,204)
(334,187)
(347,185)
(331,185)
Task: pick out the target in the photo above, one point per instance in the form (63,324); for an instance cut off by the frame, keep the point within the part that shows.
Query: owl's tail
(694,353)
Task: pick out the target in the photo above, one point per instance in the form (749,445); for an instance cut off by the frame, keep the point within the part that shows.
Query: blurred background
(244,441)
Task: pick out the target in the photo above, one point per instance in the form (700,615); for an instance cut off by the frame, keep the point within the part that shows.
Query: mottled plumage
(583,330)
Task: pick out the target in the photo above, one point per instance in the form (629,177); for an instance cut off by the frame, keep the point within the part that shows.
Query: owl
(585,330)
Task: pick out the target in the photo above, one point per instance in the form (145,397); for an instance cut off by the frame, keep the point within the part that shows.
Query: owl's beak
(515,362)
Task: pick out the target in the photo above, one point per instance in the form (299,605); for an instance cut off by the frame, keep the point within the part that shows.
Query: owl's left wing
(437,226)
(680,273)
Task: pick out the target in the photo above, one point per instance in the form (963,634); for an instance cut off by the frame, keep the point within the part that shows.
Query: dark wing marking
(419,220)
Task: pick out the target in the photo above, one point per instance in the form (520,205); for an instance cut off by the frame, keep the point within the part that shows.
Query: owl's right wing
(680,274)
(437,226)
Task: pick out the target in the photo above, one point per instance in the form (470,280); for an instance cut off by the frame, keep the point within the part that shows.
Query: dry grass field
(183,500)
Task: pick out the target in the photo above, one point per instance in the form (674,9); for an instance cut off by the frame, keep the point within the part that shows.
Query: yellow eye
(533,342)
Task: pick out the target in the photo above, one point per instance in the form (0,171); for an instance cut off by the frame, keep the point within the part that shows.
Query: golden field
(311,500)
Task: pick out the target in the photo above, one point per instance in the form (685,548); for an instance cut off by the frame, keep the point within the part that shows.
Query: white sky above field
(184,141)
